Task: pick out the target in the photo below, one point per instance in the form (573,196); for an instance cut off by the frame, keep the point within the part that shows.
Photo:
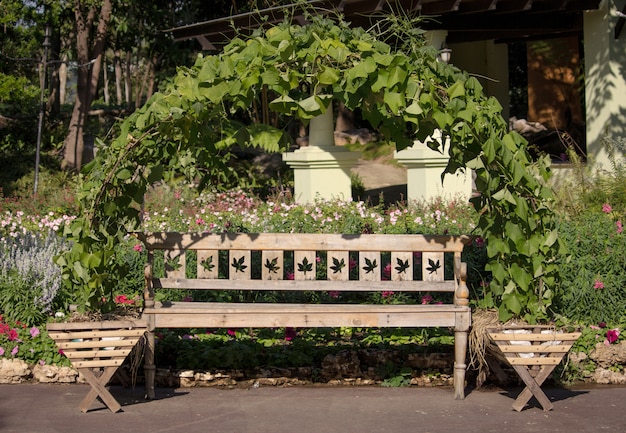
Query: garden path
(381,177)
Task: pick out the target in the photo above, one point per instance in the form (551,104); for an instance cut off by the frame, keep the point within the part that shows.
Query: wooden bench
(307,262)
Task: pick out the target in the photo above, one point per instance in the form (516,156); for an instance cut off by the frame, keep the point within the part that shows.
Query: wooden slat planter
(533,352)
(96,350)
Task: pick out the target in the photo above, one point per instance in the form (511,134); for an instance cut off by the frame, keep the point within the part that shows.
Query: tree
(91,18)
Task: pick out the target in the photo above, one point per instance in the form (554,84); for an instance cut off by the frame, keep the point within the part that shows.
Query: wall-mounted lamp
(445,53)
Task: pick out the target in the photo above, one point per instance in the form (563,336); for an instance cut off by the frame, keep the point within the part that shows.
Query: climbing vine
(298,71)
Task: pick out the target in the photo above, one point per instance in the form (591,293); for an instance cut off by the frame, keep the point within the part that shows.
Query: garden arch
(403,92)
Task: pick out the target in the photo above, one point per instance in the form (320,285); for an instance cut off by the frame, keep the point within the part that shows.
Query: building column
(425,166)
(423,175)
(321,169)
(605,84)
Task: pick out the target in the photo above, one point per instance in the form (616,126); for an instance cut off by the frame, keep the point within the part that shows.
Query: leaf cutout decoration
(239,264)
(272,266)
(370,265)
(305,266)
(338,265)
(433,266)
(403,265)
(207,264)
(173,264)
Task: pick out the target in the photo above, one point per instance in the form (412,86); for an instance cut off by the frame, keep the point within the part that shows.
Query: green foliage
(591,186)
(188,129)
(29,343)
(17,95)
(29,280)
(286,347)
(594,277)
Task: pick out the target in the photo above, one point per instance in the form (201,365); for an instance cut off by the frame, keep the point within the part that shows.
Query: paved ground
(378,178)
(40,408)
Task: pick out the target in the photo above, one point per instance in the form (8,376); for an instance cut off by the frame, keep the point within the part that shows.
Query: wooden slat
(298,285)
(174,263)
(535,361)
(304,266)
(369,266)
(207,266)
(302,241)
(338,265)
(432,266)
(86,354)
(98,363)
(97,343)
(314,320)
(247,308)
(535,337)
(273,267)
(518,348)
(107,324)
(97,334)
(239,264)
(401,266)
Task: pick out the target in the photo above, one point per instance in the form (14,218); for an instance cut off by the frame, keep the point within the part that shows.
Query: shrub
(29,279)
(29,343)
(594,274)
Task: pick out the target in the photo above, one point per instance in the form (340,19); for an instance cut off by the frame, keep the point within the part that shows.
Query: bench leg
(460,353)
(148,366)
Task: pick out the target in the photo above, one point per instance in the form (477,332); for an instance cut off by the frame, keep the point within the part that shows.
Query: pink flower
(1,351)
(231,332)
(427,299)
(602,325)
(290,276)
(387,271)
(290,334)
(200,221)
(480,242)
(387,294)
(333,294)
(138,248)
(598,285)
(42,362)
(12,335)
(34,331)
(15,350)
(352,263)
(606,208)
(187,299)
(620,228)
(611,336)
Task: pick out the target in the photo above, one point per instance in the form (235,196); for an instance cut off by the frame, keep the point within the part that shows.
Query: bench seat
(265,315)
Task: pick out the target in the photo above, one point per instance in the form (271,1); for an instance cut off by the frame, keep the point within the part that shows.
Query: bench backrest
(308,262)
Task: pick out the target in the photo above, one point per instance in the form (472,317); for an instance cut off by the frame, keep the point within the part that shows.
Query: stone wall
(346,368)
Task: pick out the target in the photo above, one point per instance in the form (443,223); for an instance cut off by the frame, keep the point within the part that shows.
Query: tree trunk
(117,62)
(127,80)
(89,66)
(63,79)
(105,80)
(152,78)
